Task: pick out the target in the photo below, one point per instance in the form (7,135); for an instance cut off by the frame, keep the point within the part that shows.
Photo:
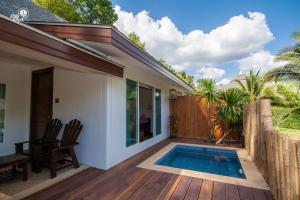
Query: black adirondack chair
(64,155)
(49,140)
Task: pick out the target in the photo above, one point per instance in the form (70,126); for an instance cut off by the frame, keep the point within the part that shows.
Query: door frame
(37,72)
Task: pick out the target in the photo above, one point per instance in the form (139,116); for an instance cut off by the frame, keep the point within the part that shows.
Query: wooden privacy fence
(276,156)
(192,118)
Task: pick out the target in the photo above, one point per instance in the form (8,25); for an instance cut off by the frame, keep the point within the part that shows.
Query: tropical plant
(136,40)
(230,109)
(284,117)
(81,11)
(290,71)
(285,95)
(173,125)
(253,86)
(208,90)
(276,99)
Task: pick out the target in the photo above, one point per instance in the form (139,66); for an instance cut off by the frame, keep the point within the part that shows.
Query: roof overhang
(26,36)
(107,36)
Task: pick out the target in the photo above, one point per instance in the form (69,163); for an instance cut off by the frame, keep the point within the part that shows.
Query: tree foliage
(62,8)
(169,67)
(230,106)
(81,11)
(133,37)
(253,86)
(290,71)
(189,79)
(285,95)
(207,89)
(286,117)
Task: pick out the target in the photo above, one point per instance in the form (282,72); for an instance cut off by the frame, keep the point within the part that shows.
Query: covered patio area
(42,78)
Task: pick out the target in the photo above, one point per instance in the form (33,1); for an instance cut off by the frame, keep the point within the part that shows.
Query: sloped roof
(233,83)
(36,13)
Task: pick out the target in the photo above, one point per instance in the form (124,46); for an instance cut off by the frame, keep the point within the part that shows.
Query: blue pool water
(209,160)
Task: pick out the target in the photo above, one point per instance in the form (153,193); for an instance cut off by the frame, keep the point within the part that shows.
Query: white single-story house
(93,73)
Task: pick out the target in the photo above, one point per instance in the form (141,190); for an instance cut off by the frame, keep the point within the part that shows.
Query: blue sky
(281,17)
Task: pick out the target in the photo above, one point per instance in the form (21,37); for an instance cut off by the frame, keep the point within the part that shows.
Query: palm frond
(287,72)
(253,85)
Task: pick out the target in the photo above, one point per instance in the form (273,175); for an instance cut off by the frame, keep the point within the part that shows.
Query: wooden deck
(126,181)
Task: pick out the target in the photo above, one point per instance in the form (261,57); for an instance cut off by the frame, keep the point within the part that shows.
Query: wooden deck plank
(245,193)
(152,188)
(136,185)
(57,190)
(127,181)
(269,195)
(232,192)
(109,187)
(206,190)
(219,191)
(194,189)
(258,194)
(181,189)
(168,190)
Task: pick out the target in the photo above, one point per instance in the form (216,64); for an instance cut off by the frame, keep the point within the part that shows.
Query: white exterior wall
(17,104)
(98,101)
(83,96)
(117,150)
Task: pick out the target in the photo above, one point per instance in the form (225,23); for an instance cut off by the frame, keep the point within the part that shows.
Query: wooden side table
(13,161)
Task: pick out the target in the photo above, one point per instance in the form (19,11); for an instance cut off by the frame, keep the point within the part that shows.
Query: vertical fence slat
(192,119)
(276,156)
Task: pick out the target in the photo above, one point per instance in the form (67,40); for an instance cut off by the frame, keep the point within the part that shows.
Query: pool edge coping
(253,177)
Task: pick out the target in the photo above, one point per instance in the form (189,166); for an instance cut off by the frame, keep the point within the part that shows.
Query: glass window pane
(145,112)
(131,112)
(158,111)
(2,111)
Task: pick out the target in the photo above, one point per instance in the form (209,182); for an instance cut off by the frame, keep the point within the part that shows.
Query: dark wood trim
(41,71)
(20,35)
(109,35)
(95,34)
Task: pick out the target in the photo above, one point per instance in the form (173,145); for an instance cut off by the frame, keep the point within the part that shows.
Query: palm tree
(290,71)
(230,109)
(208,90)
(253,86)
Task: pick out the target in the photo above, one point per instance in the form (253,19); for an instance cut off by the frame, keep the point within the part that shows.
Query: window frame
(154,113)
(4,110)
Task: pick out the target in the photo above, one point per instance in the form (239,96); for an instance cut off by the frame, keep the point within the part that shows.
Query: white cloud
(262,60)
(210,72)
(223,81)
(238,38)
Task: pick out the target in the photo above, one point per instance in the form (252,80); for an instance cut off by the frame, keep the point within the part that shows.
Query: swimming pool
(209,160)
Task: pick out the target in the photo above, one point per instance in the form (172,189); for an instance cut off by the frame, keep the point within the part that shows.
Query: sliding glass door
(158,111)
(131,113)
(145,112)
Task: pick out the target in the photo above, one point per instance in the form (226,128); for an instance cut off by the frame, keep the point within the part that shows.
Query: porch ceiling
(27,37)
(109,41)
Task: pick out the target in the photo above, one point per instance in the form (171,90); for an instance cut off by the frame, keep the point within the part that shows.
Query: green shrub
(284,117)
(276,100)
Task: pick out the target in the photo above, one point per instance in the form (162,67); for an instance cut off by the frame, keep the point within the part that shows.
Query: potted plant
(173,126)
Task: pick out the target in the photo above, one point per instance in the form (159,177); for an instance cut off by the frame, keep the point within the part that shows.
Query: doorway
(41,101)
(145,112)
